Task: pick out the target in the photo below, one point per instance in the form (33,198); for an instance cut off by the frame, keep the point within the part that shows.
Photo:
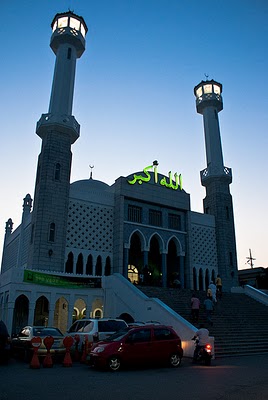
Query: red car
(148,344)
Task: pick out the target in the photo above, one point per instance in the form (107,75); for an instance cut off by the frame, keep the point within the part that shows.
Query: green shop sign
(40,278)
(168,183)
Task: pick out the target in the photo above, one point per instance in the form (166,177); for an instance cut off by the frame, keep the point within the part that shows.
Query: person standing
(213,289)
(219,286)
(208,304)
(195,306)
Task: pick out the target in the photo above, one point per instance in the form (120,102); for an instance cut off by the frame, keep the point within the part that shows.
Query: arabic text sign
(171,184)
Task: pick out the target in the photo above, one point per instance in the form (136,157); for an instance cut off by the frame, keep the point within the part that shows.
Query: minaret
(216,178)
(58,130)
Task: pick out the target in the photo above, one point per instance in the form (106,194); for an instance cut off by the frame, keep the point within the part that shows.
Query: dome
(92,190)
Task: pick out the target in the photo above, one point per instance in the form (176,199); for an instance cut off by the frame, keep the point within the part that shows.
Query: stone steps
(240,324)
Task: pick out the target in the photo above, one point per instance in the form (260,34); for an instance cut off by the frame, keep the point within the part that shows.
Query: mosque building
(73,236)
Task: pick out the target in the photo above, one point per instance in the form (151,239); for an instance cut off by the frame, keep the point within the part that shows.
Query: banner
(70,282)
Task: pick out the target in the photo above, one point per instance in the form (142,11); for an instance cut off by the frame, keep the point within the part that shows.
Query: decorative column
(182,271)
(164,269)
(125,266)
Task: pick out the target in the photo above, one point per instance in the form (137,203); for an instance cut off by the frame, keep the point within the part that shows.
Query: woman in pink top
(195,305)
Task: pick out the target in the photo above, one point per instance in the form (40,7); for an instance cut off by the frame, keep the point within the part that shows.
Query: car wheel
(114,363)
(175,360)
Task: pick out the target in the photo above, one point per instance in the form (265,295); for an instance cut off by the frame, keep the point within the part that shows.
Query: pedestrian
(213,289)
(219,286)
(208,304)
(209,293)
(195,307)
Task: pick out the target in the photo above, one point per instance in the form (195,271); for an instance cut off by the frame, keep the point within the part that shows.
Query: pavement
(233,378)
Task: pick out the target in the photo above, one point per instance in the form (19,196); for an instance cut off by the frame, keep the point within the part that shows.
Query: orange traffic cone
(67,342)
(48,342)
(36,343)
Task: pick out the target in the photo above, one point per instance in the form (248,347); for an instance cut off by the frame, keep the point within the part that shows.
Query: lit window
(207,89)
(62,22)
(83,31)
(216,89)
(75,23)
(199,92)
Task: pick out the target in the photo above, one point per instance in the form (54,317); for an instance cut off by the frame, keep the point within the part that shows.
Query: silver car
(94,329)
(21,343)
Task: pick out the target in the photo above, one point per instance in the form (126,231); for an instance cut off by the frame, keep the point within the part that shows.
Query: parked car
(21,343)
(137,346)
(95,329)
(4,343)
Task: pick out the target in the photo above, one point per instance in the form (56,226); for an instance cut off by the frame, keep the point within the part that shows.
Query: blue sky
(134,97)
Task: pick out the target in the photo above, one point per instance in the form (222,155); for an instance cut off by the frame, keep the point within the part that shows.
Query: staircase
(240,323)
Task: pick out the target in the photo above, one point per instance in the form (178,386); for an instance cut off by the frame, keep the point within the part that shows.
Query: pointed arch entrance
(79,310)
(41,311)
(135,258)
(20,314)
(173,265)
(154,274)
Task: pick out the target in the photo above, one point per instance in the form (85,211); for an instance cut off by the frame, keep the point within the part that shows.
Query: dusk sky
(134,98)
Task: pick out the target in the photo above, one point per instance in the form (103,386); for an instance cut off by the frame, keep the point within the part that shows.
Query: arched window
(79,264)
(207,279)
(69,266)
(213,276)
(51,237)
(57,172)
(89,266)
(107,270)
(194,279)
(200,279)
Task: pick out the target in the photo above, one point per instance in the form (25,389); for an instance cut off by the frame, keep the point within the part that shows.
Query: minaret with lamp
(216,178)
(58,130)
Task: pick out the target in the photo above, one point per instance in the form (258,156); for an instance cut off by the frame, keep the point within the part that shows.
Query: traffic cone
(48,342)
(67,342)
(36,343)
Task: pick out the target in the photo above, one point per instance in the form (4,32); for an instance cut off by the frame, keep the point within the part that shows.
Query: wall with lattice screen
(204,250)
(90,227)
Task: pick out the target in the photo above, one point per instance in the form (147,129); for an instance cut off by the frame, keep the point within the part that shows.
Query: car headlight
(99,349)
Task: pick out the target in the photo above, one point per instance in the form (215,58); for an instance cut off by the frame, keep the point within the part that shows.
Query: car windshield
(116,337)
(111,326)
(46,332)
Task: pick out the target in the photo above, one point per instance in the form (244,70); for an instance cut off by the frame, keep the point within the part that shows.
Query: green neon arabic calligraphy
(141,178)
(163,182)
